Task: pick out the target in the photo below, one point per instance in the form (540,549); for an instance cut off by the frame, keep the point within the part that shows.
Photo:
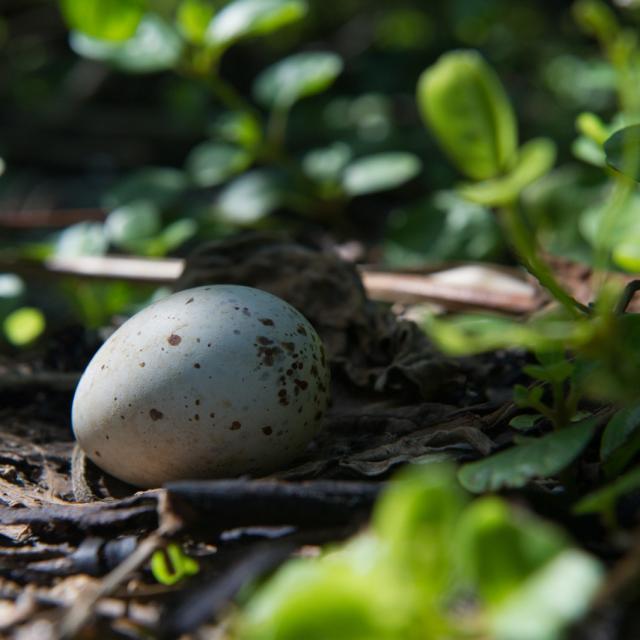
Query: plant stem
(522,240)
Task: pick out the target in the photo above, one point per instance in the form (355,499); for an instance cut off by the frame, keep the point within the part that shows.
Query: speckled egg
(211,382)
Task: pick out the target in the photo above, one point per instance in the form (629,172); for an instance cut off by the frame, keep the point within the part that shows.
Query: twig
(486,287)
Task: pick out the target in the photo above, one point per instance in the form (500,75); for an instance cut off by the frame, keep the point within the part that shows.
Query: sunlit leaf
(423,503)
(539,458)
(193,18)
(534,160)
(82,239)
(239,127)
(295,77)
(500,548)
(462,100)
(104,19)
(211,163)
(556,596)
(23,326)
(177,233)
(131,224)
(155,46)
(247,18)
(326,164)
(477,333)
(249,198)
(380,172)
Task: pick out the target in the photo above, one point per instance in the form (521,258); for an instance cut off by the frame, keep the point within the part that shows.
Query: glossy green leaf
(423,503)
(326,164)
(626,254)
(248,18)
(300,75)
(534,160)
(462,100)
(622,151)
(161,186)
(500,548)
(113,20)
(82,239)
(131,225)
(212,163)
(239,128)
(155,46)
(193,18)
(540,458)
(380,172)
(556,596)
(24,326)
(176,234)
(250,197)
(328,597)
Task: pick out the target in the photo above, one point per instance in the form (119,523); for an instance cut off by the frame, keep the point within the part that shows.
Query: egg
(215,381)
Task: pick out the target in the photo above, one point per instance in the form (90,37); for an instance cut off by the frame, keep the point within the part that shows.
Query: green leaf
(328,597)
(604,500)
(525,422)
(588,151)
(82,239)
(461,98)
(114,20)
(239,128)
(248,18)
(155,46)
(541,458)
(24,326)
(298,76)
(249,198)
(626,254)
(423,503)
(193,18)
(622,151)
(380,172)
(211,163)
(131,225)
(597,19)
(621,440)
(500,548)
(325,165)
(441,228)
(159,185)
(556,596)
(477,333)
(534,160)
(177,233)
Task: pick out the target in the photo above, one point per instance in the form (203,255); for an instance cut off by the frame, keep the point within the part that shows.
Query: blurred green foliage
(432,565)
(207,116)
